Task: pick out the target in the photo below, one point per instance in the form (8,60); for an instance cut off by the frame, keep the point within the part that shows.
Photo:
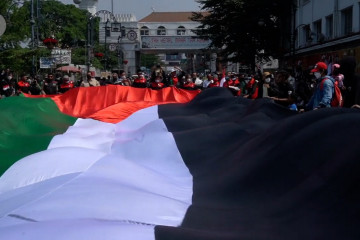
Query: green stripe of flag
(27,126)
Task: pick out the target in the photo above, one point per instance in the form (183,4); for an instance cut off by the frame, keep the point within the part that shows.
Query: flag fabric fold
(212,166)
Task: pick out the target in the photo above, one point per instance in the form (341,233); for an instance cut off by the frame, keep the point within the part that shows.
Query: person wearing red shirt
(252,88)
(214,82)
(66,84)
(24,85)
(233,84)
(173,79)
(157,83)
(140,81)
(188,83)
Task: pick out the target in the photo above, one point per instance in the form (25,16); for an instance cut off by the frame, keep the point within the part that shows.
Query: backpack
(337,99)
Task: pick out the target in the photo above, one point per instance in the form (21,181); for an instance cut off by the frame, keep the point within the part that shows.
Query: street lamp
(89,42)
(106,35)
(120,53)
(90,26)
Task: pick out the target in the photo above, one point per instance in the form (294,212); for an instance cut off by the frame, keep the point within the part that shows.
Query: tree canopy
(242,29)
(66,23)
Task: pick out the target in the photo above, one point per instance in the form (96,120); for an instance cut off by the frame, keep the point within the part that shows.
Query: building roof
(168,17)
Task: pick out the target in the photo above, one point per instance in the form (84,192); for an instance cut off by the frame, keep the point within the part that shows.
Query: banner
(173,42)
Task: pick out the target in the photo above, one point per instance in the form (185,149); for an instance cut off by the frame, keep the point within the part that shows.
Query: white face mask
(317,75)
(267,80)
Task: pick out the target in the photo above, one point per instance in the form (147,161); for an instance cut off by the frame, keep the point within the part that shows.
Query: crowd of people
(299,90)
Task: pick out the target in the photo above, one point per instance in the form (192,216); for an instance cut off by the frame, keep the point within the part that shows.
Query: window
(306,34)
(346,21)
(329,27)
(317,30)
(161,30)
(123,31)
(107,32)
(144,31)
(181,30)
(115,27)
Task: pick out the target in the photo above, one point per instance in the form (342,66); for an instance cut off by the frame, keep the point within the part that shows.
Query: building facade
(326,30)
(168,35)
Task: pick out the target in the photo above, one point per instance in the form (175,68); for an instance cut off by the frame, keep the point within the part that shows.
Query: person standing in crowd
(196,80)
(6,87)
(23,84)
(281,91)
(233,84)
(338,77)
(324,89)
(173,79)
(157,83)
(125,81)
(66,84)
(214,82)
(158,71)
(208,79)
(188,83)
(50,86)
(351,81)
(35,86)
(140,81)
(252,88)
(264,85)
(90,81)
(115,79)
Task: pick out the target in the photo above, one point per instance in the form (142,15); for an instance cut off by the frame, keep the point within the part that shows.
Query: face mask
(317,75)
(267,80)
(157,80)
(189,80)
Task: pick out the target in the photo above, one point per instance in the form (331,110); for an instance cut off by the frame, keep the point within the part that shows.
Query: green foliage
(242,29)
(149,60)
(67,23)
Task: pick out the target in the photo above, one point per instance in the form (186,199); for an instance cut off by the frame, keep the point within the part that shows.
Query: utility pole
(32,24)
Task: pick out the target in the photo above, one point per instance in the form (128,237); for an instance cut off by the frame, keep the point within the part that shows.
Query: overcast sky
(142,8)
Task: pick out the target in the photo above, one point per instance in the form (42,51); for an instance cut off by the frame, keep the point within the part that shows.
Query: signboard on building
(173,42)
(46,62)
(62,56)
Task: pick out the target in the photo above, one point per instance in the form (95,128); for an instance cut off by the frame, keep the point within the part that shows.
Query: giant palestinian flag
(122,163)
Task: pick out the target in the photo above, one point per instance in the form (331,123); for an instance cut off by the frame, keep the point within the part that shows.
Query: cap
(265,74)
(319,66)
(172,70)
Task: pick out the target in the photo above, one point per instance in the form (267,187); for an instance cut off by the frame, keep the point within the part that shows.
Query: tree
(66,23)
(149,60)
(242,29)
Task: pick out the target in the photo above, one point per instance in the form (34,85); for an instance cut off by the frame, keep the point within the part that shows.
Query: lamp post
(106,34)
(89,42)
(18,2)
(120,55)
(90,26)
